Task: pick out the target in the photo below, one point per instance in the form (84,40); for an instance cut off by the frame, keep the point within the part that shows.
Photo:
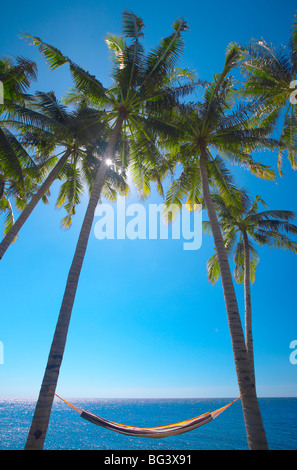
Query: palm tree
(271,74)
(242,227)
(131,106)
(13,195)
(211,126)
(17,168)
(16,79)
(44,126)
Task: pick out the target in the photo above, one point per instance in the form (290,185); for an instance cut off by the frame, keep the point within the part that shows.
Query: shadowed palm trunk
(43,408)
(248,306)
(13,232)
(256,436)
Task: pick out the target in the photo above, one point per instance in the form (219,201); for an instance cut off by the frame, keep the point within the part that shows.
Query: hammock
(154,432)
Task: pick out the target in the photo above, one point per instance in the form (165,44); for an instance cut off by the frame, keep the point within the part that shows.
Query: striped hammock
(154,432)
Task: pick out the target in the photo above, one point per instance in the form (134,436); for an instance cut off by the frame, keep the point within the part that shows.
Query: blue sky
(146,322)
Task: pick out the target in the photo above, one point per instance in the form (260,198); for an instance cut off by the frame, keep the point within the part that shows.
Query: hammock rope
(157,432)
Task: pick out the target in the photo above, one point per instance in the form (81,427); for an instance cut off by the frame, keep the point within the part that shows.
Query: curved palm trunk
(43,408)
(248,305)
(256,436)
(13,232)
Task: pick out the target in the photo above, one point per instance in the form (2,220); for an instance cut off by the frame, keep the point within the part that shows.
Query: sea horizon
(221,397)
(67,431)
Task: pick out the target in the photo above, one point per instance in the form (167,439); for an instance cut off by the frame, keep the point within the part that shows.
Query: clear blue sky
(146,322)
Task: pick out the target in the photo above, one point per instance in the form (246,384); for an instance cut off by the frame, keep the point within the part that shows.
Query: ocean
(68,431)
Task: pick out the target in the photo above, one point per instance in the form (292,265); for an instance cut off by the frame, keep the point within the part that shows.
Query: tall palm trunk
(248,305)
(13,232)
(43,408)
(256,436)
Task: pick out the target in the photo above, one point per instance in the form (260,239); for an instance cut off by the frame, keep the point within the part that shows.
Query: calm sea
(67,431)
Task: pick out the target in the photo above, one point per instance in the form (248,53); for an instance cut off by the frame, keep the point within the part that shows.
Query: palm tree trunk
(2,184)
(248,305)
(256,436)
(43,408)
(13,232)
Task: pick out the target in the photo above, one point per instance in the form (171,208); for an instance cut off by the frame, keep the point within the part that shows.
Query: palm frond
(213,269)
(132,25)
(70,194)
